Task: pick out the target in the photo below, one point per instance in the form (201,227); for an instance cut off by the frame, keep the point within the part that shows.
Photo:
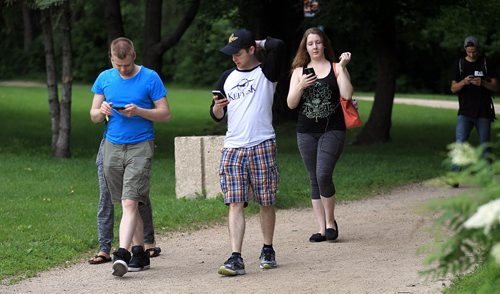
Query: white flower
(485,217)
(495,251)
(462,154)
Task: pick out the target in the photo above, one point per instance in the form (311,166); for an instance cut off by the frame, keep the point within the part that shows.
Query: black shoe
(121,259)
(140,259)
(233,266)
(317,238)
(332,234)
(268,258)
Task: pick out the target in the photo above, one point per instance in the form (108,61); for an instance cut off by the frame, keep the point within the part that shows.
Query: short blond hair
(121,47)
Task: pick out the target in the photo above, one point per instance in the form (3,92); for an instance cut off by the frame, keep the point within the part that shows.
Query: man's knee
(239,206)
(267,208)
(130,205)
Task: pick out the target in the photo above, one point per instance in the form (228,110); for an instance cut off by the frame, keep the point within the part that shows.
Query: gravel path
(376,253)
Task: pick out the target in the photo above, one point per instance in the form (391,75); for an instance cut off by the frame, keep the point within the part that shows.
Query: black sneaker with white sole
(121,258)
(268,259)
(233,266)
(140,259)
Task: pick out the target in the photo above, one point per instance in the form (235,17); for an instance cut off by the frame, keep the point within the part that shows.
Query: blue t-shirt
(141,90)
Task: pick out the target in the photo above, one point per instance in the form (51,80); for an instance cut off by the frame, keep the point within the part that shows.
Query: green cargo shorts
(127,169)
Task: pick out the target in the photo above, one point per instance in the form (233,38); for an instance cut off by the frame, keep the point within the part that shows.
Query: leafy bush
(472,218)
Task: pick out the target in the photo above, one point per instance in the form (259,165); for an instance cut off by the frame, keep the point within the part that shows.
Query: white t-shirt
(251,93)
(249,112)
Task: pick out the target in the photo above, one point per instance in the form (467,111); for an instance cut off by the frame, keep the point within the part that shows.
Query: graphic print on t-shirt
(317,101)
(242,88)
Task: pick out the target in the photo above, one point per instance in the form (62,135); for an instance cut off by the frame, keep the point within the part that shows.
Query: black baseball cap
(238,40)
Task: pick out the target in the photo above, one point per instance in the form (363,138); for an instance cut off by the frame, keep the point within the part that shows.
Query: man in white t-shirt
(248,158)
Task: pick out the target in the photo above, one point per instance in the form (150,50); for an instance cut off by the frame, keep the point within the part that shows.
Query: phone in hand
(308,70)
(218,94)
(119,107)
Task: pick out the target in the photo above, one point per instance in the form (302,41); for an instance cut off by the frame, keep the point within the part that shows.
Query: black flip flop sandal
(102,259)
(153,252)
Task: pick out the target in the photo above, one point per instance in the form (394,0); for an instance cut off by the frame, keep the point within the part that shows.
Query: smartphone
(308,70)
(218,94)
(118,107)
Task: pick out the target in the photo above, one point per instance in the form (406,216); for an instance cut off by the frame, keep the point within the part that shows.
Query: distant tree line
(428,36)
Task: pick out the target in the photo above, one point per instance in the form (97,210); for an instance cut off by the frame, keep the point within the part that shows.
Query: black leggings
(320,153)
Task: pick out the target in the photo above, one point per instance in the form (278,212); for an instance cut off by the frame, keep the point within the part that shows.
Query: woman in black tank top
(315,89)
(319,107)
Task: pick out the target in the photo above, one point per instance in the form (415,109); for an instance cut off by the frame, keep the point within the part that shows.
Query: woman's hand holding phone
(308,71)
(308,77)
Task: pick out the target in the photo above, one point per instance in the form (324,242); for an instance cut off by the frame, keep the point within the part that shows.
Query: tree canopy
(429,36)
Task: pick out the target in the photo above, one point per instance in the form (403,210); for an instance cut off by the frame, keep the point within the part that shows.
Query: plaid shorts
(253,167)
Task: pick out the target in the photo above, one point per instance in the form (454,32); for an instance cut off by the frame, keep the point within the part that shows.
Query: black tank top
(319,108)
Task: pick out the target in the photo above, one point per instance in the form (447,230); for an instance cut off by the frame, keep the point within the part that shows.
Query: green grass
(484,280)
(48,211)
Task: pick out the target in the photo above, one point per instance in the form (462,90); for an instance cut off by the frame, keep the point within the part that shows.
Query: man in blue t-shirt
(130,97)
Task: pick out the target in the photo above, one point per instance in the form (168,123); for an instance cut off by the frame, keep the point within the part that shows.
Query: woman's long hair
(302,58)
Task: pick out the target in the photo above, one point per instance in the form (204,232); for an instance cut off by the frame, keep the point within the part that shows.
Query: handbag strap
(335,70)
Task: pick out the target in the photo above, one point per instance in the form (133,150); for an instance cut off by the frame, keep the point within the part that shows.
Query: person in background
(249,154)
(130,97)
(105,220)
(321,129)
(474,82)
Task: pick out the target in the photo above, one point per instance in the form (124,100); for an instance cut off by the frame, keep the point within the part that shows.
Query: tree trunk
(62,149)
(151,57)
(277,18)
(27,26)
(50,68)
(282,20)
(113,19)
(154,44)
(377,128)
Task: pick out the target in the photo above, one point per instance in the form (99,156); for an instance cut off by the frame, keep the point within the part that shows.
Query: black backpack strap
(485,67)
(492,110)
(460,69)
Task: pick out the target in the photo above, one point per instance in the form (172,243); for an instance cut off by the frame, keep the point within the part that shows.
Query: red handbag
(351,115)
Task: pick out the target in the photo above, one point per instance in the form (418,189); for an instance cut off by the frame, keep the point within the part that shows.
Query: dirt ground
(376,253)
